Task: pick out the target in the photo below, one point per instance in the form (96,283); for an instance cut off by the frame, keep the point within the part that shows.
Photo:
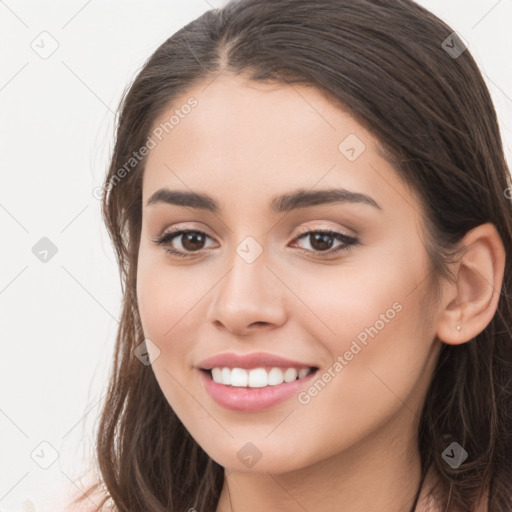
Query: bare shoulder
(96,500)
(482,504)
(92,503)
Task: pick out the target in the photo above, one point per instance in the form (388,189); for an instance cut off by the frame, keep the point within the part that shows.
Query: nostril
(258,324)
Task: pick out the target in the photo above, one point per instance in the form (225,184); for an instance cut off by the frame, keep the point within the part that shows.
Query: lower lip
(252,399)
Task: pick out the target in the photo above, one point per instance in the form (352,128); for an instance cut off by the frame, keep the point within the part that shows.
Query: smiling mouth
(257,377)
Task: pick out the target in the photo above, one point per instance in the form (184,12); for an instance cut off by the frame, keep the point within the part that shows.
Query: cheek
(373,316)
(155,313)
(168,297)
(372,328)
(168,303)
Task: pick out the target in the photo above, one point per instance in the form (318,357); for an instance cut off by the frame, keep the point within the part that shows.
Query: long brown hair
(393,66)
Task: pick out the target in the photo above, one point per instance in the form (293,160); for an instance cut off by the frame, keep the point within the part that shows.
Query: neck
(383,476)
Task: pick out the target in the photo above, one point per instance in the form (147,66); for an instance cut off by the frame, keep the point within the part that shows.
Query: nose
(249,297)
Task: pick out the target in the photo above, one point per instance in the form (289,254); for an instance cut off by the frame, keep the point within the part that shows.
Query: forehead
(266,138)
(245,116)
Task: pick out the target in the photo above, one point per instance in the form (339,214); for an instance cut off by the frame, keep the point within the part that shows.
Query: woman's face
(261,275)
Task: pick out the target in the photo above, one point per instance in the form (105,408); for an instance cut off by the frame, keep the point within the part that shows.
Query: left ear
(471,301)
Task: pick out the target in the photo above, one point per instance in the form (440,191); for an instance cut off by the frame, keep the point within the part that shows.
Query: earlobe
(471,301)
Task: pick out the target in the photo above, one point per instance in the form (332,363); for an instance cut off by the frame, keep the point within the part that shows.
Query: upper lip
(248,361)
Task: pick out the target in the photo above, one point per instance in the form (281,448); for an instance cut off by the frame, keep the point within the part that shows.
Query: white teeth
(275,377)
(226,376)
(303,372)
(239,377)
(257,377)
(217,374)
(290,374)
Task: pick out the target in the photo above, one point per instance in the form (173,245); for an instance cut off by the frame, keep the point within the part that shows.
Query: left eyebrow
(279,204)
(308,199)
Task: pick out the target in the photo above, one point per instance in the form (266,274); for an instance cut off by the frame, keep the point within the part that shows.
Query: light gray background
(59,318)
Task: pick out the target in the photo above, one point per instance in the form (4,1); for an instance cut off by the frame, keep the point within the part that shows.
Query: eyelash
(348,242)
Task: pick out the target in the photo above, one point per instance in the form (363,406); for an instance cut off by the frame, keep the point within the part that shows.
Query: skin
(354,443)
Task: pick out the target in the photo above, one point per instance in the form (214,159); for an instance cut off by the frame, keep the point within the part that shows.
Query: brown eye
(322,242)
(192,240)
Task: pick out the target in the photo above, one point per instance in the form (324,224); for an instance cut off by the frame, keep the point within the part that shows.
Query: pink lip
(251,399)
(248,361)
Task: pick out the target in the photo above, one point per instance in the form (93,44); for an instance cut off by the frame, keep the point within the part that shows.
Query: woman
(308,202)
